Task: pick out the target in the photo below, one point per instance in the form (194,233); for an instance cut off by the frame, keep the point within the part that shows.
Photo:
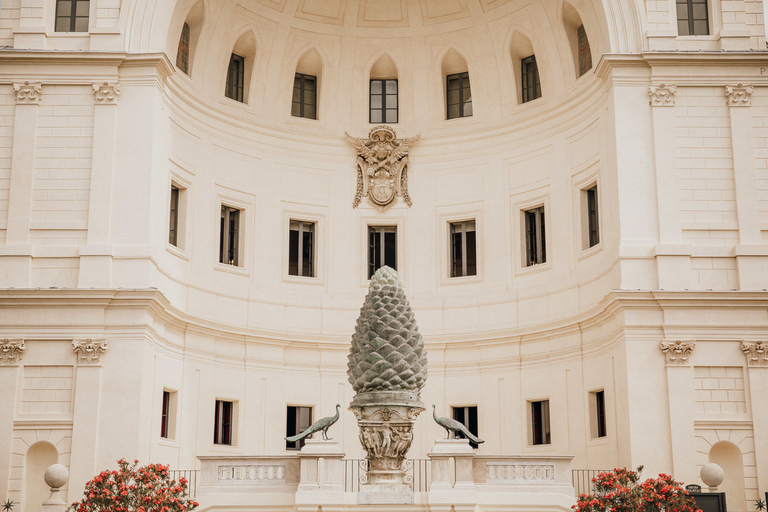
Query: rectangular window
(298,419)
(585,55)
(173,225)
(229,236)
(72,15)
(592,216)
(531,86)
(222,427)
(540,423)
(165,415)
(304,103)
(301,249)
(383,101)
(535,237)
(467,416)
(692,18)
(182,57)
(235,78)
(463,249)
(459,95)
(382,248)
(597,414)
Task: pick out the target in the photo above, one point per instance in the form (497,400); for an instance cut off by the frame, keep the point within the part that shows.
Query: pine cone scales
(387,351)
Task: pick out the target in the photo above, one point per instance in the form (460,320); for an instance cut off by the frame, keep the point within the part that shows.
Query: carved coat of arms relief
(382,167)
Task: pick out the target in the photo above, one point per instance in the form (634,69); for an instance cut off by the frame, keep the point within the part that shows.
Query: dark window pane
(682,28)
(309,112)
(62,24)
(390,249)
(700,28)
(392,87)
(64,8)
(376,101)
(82,8)
(293,253)
(375,86)
(471,254)
(391,116)
(376,116)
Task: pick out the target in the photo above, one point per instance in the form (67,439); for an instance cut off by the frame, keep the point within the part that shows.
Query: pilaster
(11,352)
(681,394)
(30,32)
(96,258)
(757,376)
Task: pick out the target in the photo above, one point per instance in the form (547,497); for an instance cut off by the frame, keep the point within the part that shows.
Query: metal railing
(582,480)
(190,475)
(418,474)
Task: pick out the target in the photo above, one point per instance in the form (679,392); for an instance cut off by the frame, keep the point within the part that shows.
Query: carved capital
(662,95)
(739,95)
(677,352)
(89,351)
(756,352)
(106,93)
(28,93)
(11,351)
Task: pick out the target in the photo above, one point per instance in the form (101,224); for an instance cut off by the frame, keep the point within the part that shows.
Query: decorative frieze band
(756,352)
(28,93)
(677,352)
(662,95)
(739,95)
(106,93)
(89,351)
(11,351)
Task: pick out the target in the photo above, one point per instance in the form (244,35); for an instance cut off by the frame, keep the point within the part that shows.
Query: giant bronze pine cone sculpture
(387,351)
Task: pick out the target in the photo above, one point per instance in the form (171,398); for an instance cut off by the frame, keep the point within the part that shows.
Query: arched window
(577,39)
(526,69)
(458,92)
(240,68)
(383,98)
(306,84)
(190,33)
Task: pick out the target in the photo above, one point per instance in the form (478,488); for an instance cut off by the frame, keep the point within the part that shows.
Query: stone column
(17,262)
(322,476)
(748,258)
(96,257)
(757,375)
(673,262)
(11,352)
(681,395)
(85,422)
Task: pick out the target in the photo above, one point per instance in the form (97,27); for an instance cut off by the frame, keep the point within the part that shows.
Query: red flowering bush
(620,491)
(135,489)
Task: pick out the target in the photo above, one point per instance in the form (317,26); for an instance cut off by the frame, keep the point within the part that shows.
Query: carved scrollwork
(756,352)
(11,351)
(662,95)
(677,352)
(89,351)
(739,95)
(106,93)
(28,93)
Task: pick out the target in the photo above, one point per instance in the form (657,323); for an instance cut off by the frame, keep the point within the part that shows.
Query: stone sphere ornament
(56,476)
(712,475)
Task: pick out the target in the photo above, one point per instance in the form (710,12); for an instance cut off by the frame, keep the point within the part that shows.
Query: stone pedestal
(462,455)
(322,475)
(55,477)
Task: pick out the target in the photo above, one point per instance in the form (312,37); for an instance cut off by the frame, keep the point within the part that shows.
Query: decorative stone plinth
(322,475)
(55,477)
(462,454)
(386,421)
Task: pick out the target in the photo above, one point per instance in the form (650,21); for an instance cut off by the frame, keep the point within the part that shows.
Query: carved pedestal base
(386,432)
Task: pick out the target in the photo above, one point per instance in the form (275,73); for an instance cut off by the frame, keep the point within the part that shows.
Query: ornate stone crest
(677,352)
(662,95)
(739,95)
(11,351)
(89,351)
(756,352)
(106,93)
(382,167)
(28,92)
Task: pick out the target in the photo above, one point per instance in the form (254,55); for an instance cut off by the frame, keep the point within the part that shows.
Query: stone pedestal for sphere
(56,477)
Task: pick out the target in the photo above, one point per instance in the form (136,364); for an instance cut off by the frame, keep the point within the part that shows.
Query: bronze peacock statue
(320,425)
(454,426)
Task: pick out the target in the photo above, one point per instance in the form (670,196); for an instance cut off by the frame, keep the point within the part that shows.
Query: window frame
(72,17)
(525,88)
(451,248)
(379,232)
(466,413)
(297,445)
(538,239)
(182,54)
(302,77)
(184,185)
(583,50)
(232,244)
(544,433)
(238,88)
(690,20)
(173,221)
(462,76)
(598,422)
(169,405)
(300,247)
(384,96)
(223,436)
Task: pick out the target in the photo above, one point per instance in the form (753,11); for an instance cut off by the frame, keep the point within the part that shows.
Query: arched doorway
(39,456)
(728,456)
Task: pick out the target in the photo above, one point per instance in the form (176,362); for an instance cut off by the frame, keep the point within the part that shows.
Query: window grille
(301,249)
(529,73)
(383,101)
(467,416)
(72,15)
(382,248)
(182,57)
(585,55)
(535,237)
(459,95)
(692,18)
(236,78)
(229,236)
(304,102)
(298,420)
(463,249)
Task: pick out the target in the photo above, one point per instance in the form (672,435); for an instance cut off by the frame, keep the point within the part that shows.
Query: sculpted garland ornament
(382,167)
